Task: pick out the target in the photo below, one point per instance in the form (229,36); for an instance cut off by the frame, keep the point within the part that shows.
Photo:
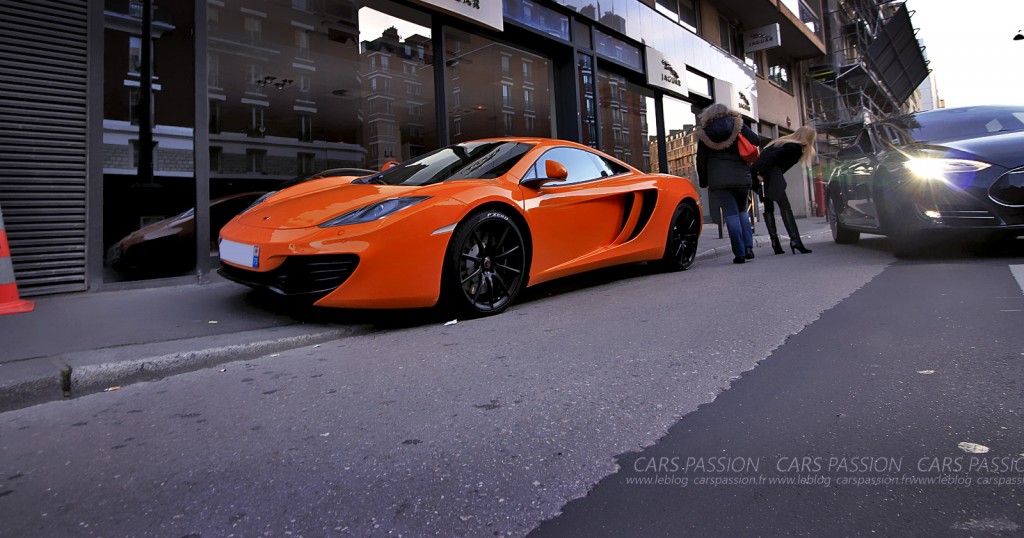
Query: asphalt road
(490,426)
(857,421)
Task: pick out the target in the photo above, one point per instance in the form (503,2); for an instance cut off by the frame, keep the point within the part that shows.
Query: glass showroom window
(489,110)
(623,125)
(166,168)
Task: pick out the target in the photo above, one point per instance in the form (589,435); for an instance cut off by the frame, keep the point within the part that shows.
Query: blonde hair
(806,136)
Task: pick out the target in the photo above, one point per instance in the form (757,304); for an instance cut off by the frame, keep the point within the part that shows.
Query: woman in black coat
(725,174)
(777,157)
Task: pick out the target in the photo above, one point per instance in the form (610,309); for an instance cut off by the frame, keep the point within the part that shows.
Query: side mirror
(388,165)
(555,171)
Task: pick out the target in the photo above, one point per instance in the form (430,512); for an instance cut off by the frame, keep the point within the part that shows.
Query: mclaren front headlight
(374,211)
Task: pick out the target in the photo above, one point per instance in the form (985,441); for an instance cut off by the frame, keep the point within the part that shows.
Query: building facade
(133,137)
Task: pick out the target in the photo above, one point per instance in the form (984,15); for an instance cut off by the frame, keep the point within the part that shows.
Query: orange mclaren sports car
(469,225)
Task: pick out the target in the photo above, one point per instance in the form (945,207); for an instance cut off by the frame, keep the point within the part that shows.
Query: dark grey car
(919,176)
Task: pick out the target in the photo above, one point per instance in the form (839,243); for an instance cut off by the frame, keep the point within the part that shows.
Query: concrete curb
(78,374)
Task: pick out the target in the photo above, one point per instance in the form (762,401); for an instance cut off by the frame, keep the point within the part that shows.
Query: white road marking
(1018,273)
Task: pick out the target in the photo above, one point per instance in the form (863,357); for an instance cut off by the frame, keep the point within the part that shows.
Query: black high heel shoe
(797,245)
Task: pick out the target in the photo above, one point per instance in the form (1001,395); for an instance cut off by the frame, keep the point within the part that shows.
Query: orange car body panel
(572,228)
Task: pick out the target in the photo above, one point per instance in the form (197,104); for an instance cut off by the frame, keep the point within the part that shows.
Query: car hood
(1002,149)
(310,204)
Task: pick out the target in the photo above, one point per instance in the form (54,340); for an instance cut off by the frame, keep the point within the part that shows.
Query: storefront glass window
(538,17)
(148,193)
(680,138)
(519,106)
(618,50)
(623,107)
(588,100)
(312,86)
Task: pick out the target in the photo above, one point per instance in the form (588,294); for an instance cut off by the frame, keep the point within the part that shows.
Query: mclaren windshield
(471,160)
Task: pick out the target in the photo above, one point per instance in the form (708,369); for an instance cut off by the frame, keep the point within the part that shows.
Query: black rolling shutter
(43,82)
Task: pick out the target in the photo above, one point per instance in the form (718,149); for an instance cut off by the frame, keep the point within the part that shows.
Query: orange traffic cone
(10,303)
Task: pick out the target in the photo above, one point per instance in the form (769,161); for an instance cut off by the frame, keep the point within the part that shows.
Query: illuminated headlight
(933,214)
(374,212)
(943,169)
(258,201)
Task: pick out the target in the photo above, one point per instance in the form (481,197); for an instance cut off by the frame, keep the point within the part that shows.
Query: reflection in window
(253,28)
(623,107)
(306,164)
(134,54)
(302,42)
(213,70)
(256,160)
(680,139)
(305,128)
(617,49)
(588,116)
(133,106)
(537,17)
(257,127)
(485,109)
(216,157)
(214,116)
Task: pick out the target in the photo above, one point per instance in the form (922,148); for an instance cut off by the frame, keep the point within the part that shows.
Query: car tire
(840,234)
(485,265)
(904,242)
(681,242)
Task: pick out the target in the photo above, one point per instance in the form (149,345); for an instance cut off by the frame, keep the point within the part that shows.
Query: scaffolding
(866,72)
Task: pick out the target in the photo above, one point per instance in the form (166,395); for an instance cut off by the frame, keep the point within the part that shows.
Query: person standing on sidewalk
(725,174)
(777,157)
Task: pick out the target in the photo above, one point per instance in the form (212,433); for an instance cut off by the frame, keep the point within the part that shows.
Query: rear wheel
(486,264)
(683,233)
(840,234)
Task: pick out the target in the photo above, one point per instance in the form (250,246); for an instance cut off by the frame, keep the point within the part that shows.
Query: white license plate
(240,253)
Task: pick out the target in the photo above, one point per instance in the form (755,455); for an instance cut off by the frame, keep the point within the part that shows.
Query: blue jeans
(733,202)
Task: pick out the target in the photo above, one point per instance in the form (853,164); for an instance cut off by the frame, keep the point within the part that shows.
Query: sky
(970,45)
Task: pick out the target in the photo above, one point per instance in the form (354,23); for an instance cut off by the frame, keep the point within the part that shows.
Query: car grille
(299,276)
(1009,189)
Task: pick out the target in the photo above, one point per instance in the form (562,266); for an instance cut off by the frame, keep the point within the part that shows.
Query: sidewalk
(77,344)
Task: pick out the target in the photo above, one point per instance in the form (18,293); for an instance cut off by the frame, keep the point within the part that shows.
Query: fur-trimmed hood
(720,131)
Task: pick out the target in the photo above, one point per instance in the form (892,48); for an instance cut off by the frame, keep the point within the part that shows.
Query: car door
(578,218)
(856,174)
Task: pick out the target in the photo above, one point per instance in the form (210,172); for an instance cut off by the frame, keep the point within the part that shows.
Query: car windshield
(477,160)
(959,123)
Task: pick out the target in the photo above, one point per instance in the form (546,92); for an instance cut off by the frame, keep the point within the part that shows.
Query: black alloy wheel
(486,263)
(683,234)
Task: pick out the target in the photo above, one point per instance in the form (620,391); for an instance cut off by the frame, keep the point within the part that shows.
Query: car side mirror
(556,172)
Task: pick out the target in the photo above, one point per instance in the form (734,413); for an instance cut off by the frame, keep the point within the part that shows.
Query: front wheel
(486,264)
(840,234)
(683,233)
